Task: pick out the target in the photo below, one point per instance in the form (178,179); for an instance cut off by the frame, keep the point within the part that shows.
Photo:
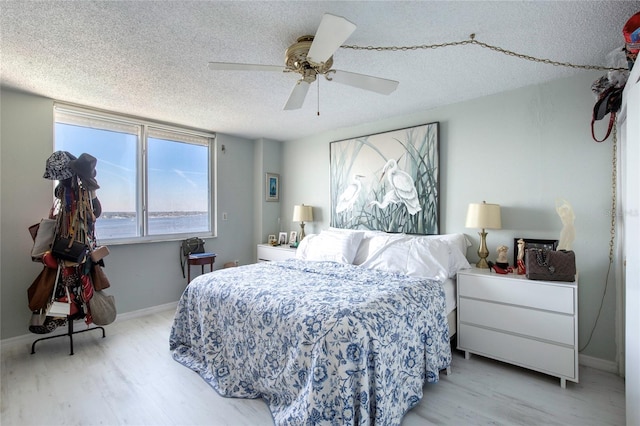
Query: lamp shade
(302,213)
(485,216)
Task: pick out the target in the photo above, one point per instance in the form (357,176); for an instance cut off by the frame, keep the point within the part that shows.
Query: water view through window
(174,166)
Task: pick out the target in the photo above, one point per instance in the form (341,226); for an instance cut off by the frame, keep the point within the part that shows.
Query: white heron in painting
(402,189)
(349,195)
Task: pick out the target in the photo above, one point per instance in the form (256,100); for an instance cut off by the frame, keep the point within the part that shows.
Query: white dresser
(533,324)
(267,252)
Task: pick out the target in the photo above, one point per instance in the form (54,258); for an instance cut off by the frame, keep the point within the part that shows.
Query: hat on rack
(57,166)
(85,167)
(631,32)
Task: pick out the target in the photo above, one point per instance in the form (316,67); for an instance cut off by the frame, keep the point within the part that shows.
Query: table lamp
(483,216)
(302,214)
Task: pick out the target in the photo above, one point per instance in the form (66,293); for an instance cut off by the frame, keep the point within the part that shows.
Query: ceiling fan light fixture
(295,58)
(309,75)
(313,55)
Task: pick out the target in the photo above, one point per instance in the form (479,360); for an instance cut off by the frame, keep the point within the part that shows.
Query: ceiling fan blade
(362,81)
(299,92)
(228,66)
(332,32)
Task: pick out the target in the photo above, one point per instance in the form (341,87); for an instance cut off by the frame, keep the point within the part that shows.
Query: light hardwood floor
(130,378)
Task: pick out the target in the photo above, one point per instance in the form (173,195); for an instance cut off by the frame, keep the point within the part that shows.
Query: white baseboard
(147,311)
(5,344)
(12,342)
(598,363)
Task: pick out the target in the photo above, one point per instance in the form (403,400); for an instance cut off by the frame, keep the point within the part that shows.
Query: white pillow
(430,259)
(457,261)
(422,256)
(333,246)
(363,249)
(409,255)
(458,244)
(303,246)
(378,242)
(460,241)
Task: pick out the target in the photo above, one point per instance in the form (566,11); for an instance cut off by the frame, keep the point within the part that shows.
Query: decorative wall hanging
(272,187)
(387,181)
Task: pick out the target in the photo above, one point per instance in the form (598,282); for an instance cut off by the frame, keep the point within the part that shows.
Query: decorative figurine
(502,265)
(502,256)
(521,267)
(568,233)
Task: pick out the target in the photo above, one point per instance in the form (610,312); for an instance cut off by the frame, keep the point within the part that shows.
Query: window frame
(76,115)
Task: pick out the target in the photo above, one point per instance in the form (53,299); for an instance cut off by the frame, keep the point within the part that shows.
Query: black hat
(85,167)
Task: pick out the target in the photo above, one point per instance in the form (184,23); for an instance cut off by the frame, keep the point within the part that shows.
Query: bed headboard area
(433,256)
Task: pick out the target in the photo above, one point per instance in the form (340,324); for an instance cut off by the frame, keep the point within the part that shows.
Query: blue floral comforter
(320,342)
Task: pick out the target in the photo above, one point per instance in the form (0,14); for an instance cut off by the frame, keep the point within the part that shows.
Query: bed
(348,332)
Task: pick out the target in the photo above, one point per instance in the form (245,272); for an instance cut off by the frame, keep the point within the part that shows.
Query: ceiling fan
(310,56)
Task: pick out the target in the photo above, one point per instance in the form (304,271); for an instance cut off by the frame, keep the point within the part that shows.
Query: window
(155,180)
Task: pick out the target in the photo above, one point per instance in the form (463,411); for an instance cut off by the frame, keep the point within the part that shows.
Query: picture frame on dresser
(532,243)
(293,237)
(282,238)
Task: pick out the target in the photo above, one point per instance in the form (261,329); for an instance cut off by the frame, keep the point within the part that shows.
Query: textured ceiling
(149,58)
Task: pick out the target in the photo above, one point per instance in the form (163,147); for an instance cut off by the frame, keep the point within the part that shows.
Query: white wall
(142,275)
(268,160)
(521,149)
(26,138)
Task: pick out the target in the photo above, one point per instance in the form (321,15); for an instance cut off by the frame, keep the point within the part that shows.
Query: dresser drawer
(534,323)
(522,292)
(268,253)
(540,356)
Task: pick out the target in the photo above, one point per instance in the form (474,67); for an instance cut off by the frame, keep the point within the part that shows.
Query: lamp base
(301,236)
(482,264)
(483,252)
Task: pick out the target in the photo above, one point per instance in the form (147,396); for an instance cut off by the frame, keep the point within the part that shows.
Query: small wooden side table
(200,259)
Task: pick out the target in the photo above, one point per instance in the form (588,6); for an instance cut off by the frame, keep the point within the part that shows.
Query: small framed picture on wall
(272,187)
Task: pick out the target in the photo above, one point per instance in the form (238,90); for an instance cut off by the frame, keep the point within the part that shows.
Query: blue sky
(177,171)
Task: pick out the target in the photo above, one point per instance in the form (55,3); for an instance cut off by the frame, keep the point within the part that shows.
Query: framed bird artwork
(387,181)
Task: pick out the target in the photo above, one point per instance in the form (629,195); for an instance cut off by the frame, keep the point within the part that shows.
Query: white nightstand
(533,324)
(267,252)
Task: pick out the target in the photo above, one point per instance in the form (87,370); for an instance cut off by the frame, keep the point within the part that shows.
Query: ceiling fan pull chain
(318,97)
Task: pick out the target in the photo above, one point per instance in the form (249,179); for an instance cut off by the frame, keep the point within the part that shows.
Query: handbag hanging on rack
(56,308)
(69,249)
(99,278)
(551,265)
(102,307)
(73,247)
(44,235)
(39,292)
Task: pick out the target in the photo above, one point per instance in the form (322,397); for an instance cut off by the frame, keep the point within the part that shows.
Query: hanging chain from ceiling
(472,40)
(612,230)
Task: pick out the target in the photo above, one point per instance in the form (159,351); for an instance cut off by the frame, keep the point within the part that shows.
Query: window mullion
(143,189)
